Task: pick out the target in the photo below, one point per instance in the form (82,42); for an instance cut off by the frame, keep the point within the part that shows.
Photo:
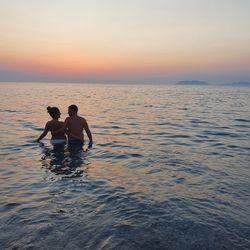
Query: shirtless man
(74,126)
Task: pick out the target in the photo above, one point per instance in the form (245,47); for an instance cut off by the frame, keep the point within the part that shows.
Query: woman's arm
(44,133)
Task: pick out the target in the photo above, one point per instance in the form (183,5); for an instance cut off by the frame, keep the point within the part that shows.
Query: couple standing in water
(73,126)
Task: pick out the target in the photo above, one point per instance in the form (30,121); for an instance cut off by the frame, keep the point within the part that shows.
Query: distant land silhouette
(192,82)
(240,84)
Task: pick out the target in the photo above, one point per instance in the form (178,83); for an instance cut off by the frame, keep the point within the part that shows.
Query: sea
(169,168)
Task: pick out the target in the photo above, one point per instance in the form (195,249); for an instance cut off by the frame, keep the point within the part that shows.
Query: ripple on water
(169,169)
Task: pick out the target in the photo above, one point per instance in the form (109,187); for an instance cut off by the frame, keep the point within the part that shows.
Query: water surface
(169,168)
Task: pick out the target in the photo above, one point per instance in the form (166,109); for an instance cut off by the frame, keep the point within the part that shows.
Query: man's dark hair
(73,107)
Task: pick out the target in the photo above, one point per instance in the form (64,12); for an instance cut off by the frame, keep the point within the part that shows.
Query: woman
(52,126)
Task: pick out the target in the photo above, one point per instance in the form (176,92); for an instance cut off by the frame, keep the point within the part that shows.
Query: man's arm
(88,132)
(63,128)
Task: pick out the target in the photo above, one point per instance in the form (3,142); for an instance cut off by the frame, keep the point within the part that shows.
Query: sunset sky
(124,41)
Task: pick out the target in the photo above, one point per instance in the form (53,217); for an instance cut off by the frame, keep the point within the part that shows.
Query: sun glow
(98,39)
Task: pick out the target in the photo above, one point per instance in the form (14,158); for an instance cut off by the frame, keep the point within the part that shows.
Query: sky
(155,41)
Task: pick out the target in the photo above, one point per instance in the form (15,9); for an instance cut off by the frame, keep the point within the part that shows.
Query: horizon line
(129,83)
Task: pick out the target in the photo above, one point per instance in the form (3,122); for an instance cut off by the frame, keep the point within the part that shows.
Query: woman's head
(54,112)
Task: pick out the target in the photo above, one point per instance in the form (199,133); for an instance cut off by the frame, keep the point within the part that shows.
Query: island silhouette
(192,82)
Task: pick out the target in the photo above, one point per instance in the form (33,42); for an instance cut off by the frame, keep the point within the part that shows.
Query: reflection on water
(169,168)
(64,160)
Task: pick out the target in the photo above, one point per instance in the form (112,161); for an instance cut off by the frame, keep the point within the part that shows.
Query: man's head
(72,110)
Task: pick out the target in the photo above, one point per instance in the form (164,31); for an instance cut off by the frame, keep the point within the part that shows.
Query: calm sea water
(169,168)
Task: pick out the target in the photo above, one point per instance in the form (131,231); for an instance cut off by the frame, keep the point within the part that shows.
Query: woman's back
(53,126)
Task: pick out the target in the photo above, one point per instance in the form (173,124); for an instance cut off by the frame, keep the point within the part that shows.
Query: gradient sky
(124,41)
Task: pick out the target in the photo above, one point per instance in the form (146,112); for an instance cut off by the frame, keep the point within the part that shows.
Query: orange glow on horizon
(169,39)
(76,65)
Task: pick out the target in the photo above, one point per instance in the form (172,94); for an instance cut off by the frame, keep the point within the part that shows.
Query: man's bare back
(74,126)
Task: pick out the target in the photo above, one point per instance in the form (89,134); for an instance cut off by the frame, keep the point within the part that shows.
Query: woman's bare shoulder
(55,124)
(48,123)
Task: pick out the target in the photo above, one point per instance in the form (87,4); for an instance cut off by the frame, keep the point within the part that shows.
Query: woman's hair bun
(53,111)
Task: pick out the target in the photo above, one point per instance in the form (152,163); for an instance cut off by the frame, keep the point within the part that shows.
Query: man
(74,126)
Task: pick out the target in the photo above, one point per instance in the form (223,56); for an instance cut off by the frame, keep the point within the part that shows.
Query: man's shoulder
(67,119)
(81,118)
